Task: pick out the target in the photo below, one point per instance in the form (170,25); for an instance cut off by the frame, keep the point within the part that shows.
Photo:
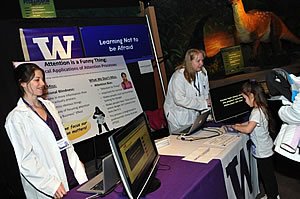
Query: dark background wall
(10,183)
(182,22)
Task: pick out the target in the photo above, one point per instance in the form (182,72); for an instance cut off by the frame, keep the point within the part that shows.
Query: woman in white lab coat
(287,142)
(48,164)
(188,91)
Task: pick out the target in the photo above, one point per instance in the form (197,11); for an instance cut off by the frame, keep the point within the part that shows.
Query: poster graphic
(37,8)
(131,40)
(88,94)
(50,43)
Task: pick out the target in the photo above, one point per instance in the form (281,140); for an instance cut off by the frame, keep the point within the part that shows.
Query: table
(231,174)
(239,166)
(179,179)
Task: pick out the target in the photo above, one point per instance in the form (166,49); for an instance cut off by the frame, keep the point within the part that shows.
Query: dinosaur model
(260,26)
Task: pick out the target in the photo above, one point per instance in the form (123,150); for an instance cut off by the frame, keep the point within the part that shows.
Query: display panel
(233,60)
(136,157)
(228,102)
(130,40)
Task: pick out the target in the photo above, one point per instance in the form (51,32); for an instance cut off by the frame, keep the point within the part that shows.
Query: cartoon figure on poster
(126,84)
(99,116)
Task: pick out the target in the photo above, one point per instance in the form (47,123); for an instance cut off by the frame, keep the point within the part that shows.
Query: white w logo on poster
(50,43)
(57,47)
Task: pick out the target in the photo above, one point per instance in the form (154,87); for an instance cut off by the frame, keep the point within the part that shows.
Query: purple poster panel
(50,43)
(132,41)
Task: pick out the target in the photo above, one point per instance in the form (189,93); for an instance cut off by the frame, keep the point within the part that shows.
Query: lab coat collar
(22,106)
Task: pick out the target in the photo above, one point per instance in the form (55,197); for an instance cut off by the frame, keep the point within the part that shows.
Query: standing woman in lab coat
(48,164)
(188,91)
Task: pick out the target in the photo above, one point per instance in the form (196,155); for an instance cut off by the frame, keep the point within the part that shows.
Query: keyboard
(98,186)
(222,140)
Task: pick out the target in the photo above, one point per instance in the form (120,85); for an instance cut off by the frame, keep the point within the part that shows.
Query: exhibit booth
(84,59)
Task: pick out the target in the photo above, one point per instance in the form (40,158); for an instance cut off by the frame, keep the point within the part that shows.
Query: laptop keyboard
(98,186)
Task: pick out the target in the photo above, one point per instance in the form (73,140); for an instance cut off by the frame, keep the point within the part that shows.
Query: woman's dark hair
(123,74)
(260,98)
(25,73)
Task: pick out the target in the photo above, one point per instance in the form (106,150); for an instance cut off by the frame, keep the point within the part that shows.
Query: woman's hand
(208,101)
(60,192)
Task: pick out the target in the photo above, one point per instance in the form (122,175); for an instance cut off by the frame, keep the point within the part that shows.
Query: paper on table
(222,140)
(203,154)
(178,147)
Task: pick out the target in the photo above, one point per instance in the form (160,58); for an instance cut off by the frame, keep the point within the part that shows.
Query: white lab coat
(37,152)
(183,101)
(286,142)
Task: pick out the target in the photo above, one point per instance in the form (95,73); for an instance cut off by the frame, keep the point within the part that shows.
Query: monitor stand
(152,186)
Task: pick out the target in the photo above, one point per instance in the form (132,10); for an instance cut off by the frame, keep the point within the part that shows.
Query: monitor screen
(135,155)
(227,101)
(133,41)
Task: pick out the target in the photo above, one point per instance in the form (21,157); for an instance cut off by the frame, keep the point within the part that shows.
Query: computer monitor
(136,157)
(227,102)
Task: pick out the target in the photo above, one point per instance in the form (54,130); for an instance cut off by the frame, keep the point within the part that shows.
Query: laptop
(190,129)
(105,181)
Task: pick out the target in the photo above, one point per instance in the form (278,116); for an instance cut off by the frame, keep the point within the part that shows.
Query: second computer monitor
(227,102)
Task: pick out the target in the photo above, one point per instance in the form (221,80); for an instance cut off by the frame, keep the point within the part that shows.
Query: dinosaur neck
(239,14)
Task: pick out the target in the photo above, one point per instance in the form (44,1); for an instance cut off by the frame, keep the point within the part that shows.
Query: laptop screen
(195,127)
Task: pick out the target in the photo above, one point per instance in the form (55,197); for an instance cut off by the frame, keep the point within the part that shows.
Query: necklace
(35,109)
(33,105)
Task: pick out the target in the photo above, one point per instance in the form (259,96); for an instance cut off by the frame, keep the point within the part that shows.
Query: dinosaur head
(233,1)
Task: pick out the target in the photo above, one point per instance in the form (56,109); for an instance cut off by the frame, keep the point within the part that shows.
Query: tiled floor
(289,187)
(288,178)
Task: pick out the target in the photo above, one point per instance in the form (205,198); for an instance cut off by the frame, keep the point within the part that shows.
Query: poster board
(130,40)
(77,86)
(37,8)
(233,60)
(49,39)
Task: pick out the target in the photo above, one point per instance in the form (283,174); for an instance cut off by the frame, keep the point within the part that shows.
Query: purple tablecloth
(179,179)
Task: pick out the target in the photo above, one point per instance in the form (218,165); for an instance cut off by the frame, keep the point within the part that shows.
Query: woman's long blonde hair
(189,72)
